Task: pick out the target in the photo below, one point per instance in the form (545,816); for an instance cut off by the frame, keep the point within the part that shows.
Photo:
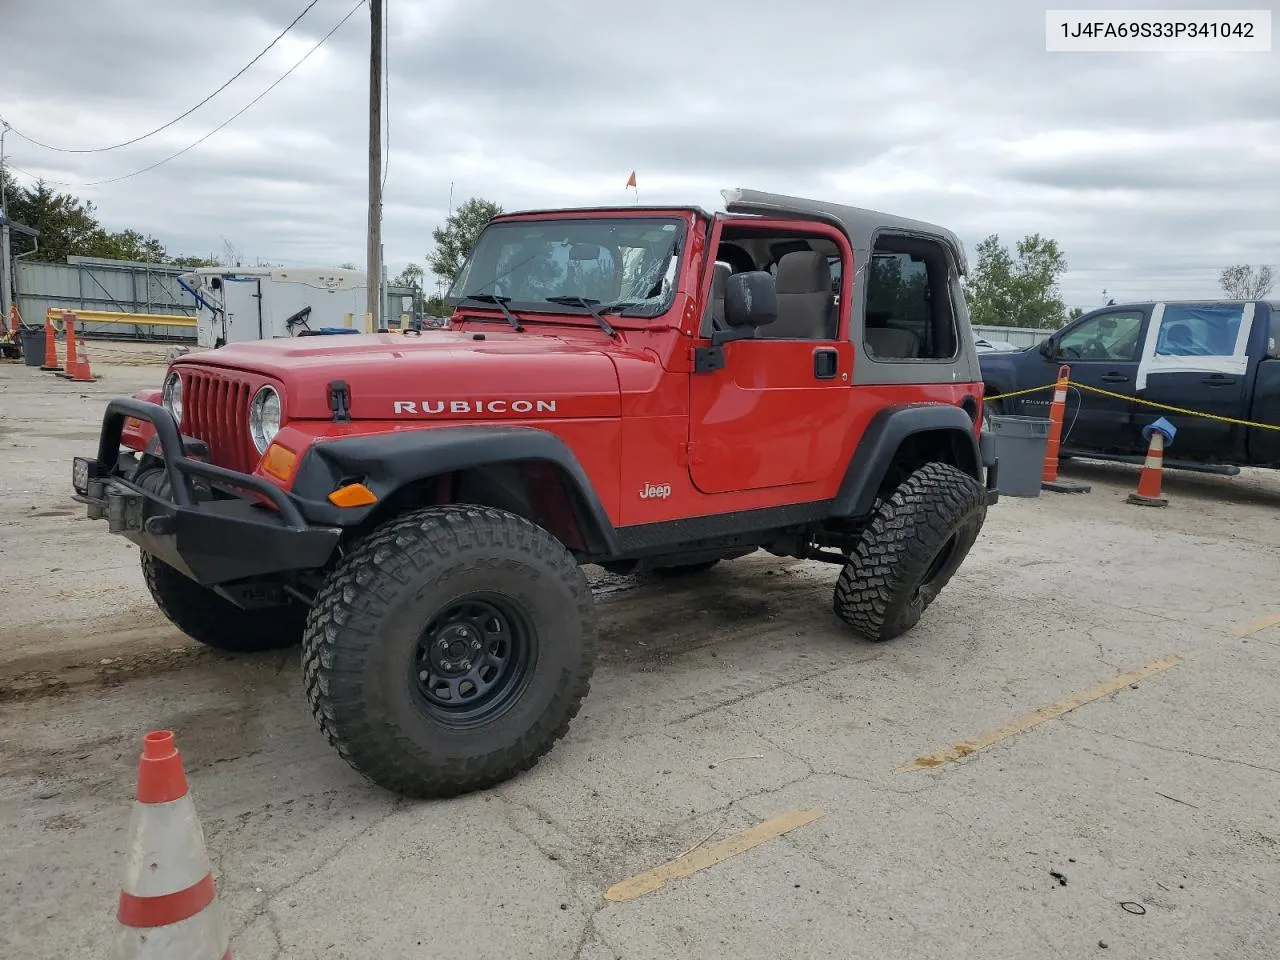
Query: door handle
(1219,380)
(1115,378)
(826,364)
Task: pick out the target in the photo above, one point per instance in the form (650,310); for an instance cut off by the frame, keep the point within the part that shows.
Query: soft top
(860,224)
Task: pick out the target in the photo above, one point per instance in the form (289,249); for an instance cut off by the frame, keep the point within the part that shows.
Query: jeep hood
(440,375)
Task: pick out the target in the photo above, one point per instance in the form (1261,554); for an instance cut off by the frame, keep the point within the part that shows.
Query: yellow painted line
(1051,712)
(701,858)
(1249,629)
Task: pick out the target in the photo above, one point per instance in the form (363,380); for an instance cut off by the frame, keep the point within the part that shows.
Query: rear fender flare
(884,437)
(389,462)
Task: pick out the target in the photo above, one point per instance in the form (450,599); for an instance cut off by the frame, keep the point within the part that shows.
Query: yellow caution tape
(1138,400)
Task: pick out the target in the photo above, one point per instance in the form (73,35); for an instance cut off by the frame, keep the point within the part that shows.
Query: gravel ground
(719,702)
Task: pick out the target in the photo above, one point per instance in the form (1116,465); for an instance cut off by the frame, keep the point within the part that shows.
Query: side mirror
(750,300)
(1049,349)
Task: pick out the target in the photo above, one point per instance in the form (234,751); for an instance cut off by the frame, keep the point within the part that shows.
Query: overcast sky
(1152,171)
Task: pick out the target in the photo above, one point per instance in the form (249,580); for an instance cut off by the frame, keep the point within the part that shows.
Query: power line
(117,146)
(174,156)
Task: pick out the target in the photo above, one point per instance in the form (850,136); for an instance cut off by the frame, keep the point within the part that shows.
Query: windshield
(627,263)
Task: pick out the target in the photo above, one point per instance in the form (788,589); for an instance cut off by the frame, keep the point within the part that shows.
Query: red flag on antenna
(631,180)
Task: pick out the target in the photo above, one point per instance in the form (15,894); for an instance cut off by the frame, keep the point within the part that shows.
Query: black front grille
(215,409)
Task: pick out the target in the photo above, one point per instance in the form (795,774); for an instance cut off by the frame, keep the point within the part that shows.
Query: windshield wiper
(501,303)
(620,306)
(587,304)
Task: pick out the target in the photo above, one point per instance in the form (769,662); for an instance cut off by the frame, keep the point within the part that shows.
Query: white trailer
(262,303)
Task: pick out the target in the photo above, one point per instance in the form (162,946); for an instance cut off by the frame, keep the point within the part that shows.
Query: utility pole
(6,265)
(373,256)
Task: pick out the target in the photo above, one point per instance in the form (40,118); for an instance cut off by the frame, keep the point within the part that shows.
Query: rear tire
(915,542)
(450,650)
(208,618)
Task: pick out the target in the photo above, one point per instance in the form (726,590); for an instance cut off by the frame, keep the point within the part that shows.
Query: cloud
(1152,171)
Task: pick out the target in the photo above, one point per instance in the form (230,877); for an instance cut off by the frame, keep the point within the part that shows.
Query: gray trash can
(33,346)
(1020,444)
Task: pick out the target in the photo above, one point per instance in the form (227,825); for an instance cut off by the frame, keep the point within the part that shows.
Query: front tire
(216,622)
(914,544)
(450,650)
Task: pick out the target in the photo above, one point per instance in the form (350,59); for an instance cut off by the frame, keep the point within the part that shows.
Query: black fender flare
(389,461)
(883,437)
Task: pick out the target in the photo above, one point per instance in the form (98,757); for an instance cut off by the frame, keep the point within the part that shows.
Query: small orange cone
(50,346)
(1148,493)
(77,358)
(78,369)
(15,319)
(168,904)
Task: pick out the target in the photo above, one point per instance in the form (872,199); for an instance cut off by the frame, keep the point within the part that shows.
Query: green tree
(1243,282)
(410,276)
(1017,291)
(456,239)
(1075,314)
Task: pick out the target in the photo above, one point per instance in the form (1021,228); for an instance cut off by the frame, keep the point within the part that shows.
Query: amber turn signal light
(279,461)
(352,495)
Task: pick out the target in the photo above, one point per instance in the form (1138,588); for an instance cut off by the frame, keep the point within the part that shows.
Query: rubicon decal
(438,407)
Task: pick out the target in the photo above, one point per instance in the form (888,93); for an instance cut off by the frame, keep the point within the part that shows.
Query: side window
(908,313)
(1199,330)
(1108,336)
(806,273)
(1273,333)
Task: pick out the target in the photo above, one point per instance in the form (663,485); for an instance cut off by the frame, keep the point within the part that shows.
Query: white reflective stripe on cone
(1155,462)
(202,937)
(1059,396)
(166,850)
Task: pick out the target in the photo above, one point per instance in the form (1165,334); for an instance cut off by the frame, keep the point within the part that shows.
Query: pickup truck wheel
(450,650)
(216,622)
(915,542)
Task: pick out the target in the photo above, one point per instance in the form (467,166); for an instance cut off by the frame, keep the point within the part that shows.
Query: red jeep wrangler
(643,388)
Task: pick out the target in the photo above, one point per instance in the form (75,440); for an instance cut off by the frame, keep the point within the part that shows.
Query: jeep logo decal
(436,407)
(655,491)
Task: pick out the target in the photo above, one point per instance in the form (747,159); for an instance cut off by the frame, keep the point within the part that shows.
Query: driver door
(1102,350)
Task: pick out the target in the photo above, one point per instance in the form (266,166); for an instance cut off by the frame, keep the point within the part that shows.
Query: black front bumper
(191,514)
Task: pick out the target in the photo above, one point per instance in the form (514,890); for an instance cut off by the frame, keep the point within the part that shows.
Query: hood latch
(340,401)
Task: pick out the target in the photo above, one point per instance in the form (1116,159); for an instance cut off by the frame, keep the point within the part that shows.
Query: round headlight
(264,418)
(172,396)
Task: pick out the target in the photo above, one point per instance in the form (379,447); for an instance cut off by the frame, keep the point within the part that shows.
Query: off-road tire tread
(872,594)
(216,622)
(349,608)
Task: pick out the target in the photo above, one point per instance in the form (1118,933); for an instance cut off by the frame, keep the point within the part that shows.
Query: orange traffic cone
(15,319)
(1057,411)
(78,369)
(1148,493)
(168,904)
(50,346)
(77,359)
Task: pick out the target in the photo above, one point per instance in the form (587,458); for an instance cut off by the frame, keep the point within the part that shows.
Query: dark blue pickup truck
(1216,356)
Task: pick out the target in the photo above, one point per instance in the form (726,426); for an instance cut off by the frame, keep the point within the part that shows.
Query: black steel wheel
(449,650)
(473,660)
